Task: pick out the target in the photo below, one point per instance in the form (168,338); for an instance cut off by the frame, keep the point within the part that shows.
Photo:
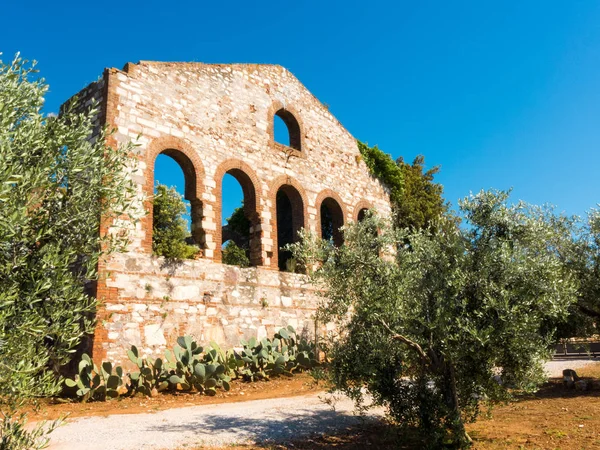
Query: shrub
(169,230)
(237,248)
(234,255)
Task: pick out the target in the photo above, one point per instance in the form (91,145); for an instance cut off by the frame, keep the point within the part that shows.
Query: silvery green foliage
(582,256)
(16,435)
(591,279)
(55,184)
(425,320)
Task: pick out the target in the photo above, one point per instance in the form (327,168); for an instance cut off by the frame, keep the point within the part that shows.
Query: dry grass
(553,418)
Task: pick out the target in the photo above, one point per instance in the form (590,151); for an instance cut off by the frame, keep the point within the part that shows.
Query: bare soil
(554,418)
(300,384)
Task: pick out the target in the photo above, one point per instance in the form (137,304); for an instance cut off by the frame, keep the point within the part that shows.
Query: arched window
(235,231)
(362,214)
(281,133)
(174,169)
(286,129)
(290,219)
(332,219)
(372,228)
(243,227)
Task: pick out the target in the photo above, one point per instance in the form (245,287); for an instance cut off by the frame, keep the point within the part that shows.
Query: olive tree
(581,256)
(57,180)
(455,320)
(587,265)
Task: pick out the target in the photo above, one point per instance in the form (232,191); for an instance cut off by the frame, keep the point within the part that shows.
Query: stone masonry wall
(213,120)
(210,301)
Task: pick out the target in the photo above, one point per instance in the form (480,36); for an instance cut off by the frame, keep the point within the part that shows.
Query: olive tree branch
(411,344)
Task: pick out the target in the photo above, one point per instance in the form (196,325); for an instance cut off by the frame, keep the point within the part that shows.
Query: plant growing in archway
(169,231)
(237,250)
(235,255)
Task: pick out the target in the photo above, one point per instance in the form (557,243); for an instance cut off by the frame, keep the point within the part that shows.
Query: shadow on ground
(555,388)
(282,427)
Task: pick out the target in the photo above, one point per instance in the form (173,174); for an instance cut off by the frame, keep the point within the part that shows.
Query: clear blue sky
(500,94)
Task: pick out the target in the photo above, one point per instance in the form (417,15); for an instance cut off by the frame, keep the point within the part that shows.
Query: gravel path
(224,424)
(210,425)
(554,368)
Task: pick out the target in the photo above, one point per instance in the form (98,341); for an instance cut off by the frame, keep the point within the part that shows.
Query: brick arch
(299,207)
(250,184)
(295,126)
(363,204)
(327,195)
(193,170)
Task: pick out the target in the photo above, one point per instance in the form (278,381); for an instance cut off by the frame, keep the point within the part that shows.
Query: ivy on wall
(417,200)
(382,166)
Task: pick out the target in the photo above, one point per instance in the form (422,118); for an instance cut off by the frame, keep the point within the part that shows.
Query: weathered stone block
(154,336)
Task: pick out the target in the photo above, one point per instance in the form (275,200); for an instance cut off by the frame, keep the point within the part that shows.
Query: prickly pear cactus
(151,374)
(187,367)
(95,384)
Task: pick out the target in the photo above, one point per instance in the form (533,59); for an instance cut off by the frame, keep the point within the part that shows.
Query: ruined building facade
(216,120)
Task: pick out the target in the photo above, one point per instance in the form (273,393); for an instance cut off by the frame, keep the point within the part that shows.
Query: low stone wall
(155,301)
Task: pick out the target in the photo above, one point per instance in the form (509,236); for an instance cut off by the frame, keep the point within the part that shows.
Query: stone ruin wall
(213,120)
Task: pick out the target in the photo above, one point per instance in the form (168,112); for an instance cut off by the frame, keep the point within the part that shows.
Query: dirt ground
(300,384)
(553,418)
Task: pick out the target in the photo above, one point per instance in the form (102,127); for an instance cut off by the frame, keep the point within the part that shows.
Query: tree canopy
(169,229)
(417,201)
(455,320)
(56,182)
(422,201)
(580,252)
(586,262)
